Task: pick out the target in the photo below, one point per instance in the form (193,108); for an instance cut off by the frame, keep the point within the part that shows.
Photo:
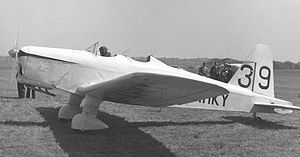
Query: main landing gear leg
(67,112)
(255,117)
(87,120)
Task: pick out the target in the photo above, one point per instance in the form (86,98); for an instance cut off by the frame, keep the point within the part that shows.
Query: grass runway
(29,127)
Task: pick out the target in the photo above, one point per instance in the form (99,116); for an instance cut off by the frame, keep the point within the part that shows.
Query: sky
(163,28)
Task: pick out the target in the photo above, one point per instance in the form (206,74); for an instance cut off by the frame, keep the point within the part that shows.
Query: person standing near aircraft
(214,72)
(225,73)
(229,72)
(104,52)
(221,71)
(20,86)
(203,70)
(21,90)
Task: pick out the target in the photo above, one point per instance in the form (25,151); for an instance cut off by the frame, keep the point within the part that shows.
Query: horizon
(182,29)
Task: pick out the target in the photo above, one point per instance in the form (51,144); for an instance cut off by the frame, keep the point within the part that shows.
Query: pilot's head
(103,50)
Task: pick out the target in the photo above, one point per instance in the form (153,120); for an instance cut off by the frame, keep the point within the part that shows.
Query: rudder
(256,73)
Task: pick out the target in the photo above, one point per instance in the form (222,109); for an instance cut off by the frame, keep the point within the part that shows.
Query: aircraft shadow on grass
(259,124)
(122,138)
(114,141)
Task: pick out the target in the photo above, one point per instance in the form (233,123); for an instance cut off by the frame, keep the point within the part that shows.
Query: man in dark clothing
(20,86)
(226,73)
(21,90)
(214,72)
(204,71)
(229,72)
(104,52)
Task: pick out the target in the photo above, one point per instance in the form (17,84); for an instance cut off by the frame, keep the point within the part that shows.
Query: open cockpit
(95,50)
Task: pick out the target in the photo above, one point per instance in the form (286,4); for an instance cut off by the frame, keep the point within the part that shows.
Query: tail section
(256,73)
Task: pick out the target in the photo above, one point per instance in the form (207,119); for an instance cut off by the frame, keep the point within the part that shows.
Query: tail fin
(256,73)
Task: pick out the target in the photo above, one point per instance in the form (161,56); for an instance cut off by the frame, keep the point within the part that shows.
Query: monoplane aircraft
(121,79)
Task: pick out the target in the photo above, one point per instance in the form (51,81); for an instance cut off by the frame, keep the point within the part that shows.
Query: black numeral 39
(266,76)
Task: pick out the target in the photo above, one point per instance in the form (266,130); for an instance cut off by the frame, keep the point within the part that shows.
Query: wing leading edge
(148,89)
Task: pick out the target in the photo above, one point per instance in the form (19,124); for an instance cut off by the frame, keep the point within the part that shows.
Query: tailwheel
(255,117)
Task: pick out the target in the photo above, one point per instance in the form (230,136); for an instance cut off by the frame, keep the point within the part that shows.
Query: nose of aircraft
(13,52)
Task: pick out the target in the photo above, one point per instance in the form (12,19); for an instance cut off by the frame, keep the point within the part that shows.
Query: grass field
(29,127)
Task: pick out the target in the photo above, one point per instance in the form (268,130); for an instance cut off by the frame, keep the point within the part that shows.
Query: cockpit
(95,49)
(98,51)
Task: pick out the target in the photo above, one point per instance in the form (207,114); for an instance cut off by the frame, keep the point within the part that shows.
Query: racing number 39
(265,76)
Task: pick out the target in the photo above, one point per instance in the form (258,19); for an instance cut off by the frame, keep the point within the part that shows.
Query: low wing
(150,89)
(278,108)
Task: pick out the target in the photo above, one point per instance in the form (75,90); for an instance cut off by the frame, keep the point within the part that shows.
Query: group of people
(221,72)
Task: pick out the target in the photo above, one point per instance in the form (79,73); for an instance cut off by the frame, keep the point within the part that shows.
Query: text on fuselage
(219,101)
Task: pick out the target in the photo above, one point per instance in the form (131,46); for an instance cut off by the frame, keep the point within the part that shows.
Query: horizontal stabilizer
(278,108)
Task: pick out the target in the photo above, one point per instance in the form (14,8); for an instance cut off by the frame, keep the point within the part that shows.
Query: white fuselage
(67,70)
